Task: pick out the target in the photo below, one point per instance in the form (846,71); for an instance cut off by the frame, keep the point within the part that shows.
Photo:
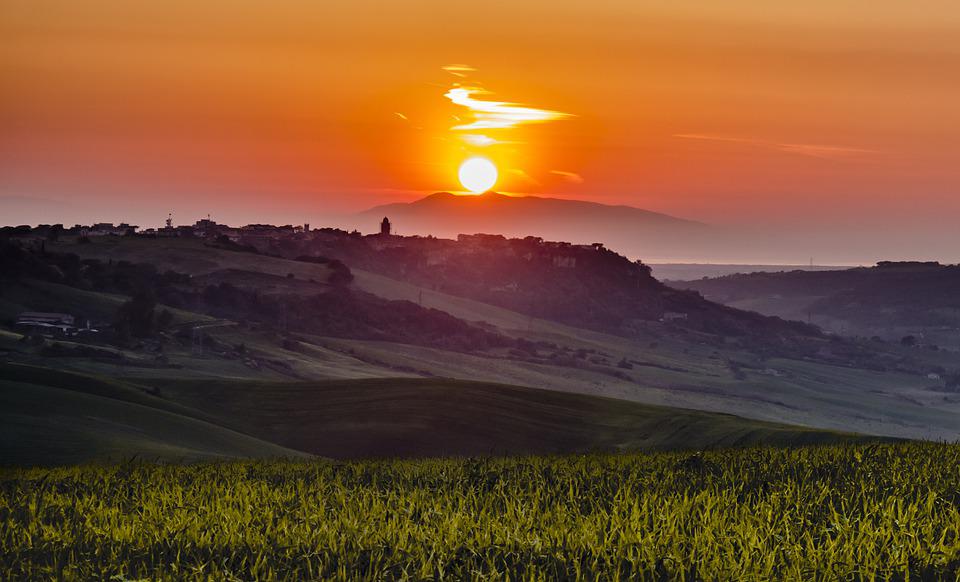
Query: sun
(478,175)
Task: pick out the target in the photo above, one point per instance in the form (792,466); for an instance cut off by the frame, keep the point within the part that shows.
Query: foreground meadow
(861,512)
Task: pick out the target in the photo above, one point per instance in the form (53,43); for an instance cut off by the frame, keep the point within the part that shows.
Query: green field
(416,417)
(50,417)
(852,512)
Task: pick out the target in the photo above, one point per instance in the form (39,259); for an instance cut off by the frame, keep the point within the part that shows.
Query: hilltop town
(584,285)
(269,238)
(551,279)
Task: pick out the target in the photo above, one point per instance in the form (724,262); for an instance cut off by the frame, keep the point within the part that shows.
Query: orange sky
(825,113)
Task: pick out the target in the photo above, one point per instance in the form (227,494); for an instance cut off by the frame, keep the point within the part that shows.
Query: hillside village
(269,238)
(586,285)
(541,278)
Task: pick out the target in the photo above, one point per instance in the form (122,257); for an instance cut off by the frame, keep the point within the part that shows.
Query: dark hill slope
(413,417)
(52,417)
(890,300)
(587,286)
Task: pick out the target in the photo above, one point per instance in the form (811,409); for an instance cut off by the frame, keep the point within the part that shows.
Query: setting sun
(478,175)
(659,281)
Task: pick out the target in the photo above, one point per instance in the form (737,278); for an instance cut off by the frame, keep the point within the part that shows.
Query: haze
(826,121)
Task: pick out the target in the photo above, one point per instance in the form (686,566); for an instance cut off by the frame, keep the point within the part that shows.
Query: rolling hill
(664,365)
(50,417)
(412,417)
(891,300)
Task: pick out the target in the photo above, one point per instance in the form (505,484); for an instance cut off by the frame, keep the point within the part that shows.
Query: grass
(50,417)
(416,417)
(854,512)
(191,256)
(435,417)
(35,295)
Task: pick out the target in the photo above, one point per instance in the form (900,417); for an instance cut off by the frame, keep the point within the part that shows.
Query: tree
(136,317)
(341,275)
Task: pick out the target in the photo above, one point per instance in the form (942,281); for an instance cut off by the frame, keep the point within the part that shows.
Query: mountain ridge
(447,197)
(635,231)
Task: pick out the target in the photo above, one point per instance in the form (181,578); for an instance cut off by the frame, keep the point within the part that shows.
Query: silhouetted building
(207,228)
(108,229)
(46,323)
(673,316)
(385,226)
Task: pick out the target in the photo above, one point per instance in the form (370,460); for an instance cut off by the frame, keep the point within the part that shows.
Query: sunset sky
(816,116)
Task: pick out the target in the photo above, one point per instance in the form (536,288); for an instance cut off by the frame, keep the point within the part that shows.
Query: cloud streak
(479,140)
(524,176)
(830,152)
(571,177)
(458,70)
(477,126)
(497,114)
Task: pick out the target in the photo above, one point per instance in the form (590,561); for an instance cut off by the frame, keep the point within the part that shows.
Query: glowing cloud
(478,140)
(524,176)
(571,177)
(458,70)
(477,126)
(497,114)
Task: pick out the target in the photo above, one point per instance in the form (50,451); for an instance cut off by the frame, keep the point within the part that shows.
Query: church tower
(385,227)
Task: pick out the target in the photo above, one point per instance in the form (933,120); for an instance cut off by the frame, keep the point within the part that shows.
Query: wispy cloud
(478,140)
(813,150)
(403,117)
(482,121)
(524,176)
(497,114)
(458,70)
(824,151)
(571,177)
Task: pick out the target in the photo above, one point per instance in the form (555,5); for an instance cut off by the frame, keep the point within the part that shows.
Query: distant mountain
(632,231)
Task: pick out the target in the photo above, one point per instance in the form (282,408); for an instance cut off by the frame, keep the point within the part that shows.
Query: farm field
(50,417)
(864,512)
